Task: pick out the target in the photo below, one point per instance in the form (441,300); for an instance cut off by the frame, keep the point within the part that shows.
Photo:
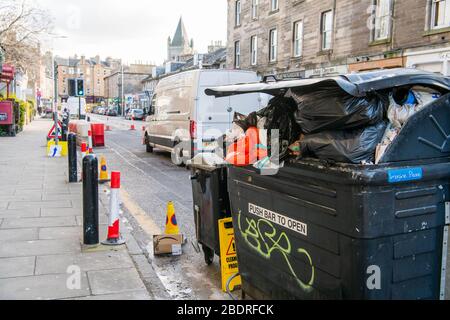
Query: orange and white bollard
(114,237)
(91,150)
(84,150)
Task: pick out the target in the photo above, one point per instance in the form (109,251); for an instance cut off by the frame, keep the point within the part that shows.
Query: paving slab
(40,204)
(47,287)
(34,197)
(28,234)
(3,204)
(24,213)
(56,191)
(51,197)
(27,189)
(141,295)
(104,260)
(42,222)
(115,281)
(60,212)
(17,267)
(38,247)
(69,233)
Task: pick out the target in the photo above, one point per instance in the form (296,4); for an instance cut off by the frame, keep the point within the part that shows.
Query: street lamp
(55,93)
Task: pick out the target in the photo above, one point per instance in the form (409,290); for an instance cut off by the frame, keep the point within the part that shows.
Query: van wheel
(149,148)
(178,157)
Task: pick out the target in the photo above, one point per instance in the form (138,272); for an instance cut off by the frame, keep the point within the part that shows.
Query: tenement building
(310,38)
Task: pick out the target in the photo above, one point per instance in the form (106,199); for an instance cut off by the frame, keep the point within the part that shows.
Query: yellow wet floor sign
(228,256)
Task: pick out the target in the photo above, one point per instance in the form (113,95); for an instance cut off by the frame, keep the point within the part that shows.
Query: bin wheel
(209,255)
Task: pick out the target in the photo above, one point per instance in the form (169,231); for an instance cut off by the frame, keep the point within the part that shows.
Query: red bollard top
(115,180)
(83,147)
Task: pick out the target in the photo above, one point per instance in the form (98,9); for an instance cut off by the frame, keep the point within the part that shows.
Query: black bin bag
(348,146)
(330,108)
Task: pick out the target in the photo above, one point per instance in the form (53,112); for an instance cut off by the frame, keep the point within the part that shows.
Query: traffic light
(72,88)
(80,87)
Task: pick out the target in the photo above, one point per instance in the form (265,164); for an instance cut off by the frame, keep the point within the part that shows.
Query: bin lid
(207,162)
(358,84)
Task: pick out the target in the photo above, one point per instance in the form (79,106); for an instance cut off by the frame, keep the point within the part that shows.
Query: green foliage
(25,110)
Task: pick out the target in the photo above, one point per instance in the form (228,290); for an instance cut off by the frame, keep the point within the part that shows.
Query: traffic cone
(103,177)
(108,128)
(171,220)
(114,238)
(132,128)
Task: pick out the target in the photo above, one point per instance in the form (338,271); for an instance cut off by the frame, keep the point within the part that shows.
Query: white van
(74,105)
(186,118)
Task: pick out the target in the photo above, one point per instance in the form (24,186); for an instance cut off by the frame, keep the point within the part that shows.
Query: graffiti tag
(269,241)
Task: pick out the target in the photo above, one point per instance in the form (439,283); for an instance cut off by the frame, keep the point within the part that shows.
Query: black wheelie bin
(320,230)
(211,203)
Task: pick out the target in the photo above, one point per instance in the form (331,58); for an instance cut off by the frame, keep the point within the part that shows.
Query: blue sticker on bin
(404,175)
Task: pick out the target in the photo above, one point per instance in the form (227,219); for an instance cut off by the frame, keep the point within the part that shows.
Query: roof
(70,62)
(180,39)
(73,62)
(357,85)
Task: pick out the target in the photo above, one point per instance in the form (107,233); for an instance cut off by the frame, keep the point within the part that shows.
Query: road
(150,181)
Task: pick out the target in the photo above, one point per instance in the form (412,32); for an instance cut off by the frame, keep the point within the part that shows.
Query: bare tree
(21,25)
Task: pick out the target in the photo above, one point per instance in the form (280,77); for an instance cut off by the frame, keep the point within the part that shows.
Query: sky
(132,30)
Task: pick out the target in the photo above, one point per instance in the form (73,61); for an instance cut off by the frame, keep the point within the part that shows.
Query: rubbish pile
(326,123)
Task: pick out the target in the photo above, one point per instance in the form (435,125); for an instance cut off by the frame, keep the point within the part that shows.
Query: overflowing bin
(211,203)
(327,230)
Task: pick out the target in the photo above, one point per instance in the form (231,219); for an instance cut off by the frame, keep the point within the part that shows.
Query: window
(273,5)
(255,4)
(237,54)
(273,41)
(237,11)
(440,14)
(383,16)
(327,29)
(254,50)
(298,38)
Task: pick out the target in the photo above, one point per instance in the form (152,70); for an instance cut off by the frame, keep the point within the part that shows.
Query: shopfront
(432,60)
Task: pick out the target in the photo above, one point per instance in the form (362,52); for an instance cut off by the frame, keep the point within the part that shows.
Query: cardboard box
(168,244)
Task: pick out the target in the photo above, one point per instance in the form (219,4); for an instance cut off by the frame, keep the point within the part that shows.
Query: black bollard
(90,200)
(73,170)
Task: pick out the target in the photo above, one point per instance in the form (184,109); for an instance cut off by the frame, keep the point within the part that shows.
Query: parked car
(135,114)
(112,112)
(185,115)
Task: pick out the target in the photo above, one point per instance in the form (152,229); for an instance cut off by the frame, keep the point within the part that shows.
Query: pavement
(149,181)
(41,251)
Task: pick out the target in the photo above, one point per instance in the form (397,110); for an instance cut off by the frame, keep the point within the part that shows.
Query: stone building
(308,38)
(92,70)
(132,81)
(180,48)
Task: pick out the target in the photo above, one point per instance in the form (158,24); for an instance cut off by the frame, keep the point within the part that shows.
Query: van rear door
(212,115)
